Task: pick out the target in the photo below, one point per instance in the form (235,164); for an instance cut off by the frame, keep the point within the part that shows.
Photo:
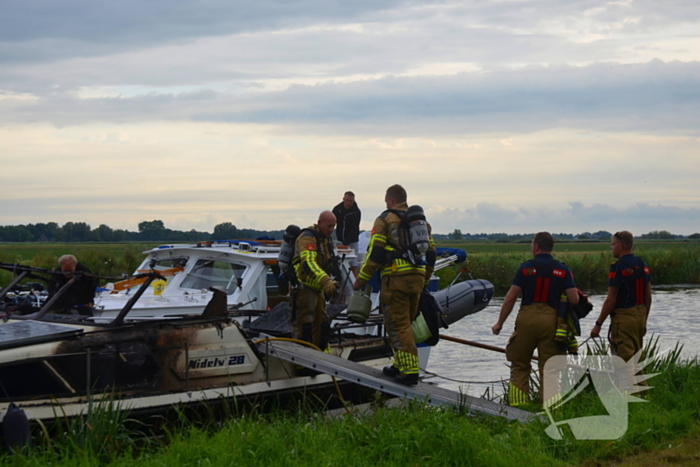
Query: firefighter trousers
(311,323)
(625,336)
(399,304)
(535,328)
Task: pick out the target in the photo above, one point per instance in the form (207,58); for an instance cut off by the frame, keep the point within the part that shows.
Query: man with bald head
(313,251)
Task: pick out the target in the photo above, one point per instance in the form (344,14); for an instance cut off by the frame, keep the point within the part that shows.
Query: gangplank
(373,378)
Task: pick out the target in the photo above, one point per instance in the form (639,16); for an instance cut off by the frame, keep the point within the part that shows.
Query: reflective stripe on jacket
(385,236)
(311,260)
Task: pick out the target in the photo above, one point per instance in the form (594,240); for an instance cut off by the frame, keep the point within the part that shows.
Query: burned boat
(171,341)
(54,365)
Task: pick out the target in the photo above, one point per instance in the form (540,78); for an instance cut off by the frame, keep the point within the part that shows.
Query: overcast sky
(496,116)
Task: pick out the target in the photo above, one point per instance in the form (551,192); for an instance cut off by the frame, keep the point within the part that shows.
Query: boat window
(211,273)
(170,263)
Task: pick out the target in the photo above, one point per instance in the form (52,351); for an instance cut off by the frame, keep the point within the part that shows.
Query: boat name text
(216,362)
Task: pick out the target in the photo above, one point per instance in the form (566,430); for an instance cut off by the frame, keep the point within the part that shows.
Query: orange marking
(128,283)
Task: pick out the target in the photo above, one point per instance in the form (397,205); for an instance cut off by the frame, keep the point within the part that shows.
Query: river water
(477,372)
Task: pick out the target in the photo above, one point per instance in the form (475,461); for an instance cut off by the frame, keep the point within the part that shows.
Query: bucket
(420,329)
(360,305)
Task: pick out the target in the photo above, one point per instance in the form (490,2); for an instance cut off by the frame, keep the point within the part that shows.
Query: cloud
(652,97)
(497,110)
(68,46)
(131,24)
(576,218)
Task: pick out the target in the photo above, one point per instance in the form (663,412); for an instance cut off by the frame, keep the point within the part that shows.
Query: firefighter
(312,260)
(401,282)
(542,280)
(628,303)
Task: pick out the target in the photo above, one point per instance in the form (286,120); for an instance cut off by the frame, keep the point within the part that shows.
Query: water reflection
(476,371)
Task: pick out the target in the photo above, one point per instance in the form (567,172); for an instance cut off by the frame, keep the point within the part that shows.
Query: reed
(105,432)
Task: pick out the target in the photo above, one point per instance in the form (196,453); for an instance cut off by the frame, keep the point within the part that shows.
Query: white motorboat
(247,271)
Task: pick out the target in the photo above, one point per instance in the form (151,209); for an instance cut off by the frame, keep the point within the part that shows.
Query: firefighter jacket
(312,257)
(384,242)
(568,327)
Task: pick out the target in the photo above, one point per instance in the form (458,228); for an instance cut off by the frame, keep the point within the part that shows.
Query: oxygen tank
(287,249)
(418,237)
(360,305)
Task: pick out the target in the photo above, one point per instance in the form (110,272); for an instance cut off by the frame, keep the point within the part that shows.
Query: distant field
(671,262)
(105,259)
(559,247)
(28,251)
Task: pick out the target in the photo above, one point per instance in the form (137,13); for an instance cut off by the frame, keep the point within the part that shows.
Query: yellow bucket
(420,329)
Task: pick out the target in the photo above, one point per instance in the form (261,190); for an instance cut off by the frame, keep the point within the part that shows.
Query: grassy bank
(415,435)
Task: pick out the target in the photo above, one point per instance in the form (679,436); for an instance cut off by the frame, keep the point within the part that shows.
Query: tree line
(155,231)
(148,231)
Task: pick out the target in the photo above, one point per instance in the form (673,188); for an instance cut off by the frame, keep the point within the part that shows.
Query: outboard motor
(287,249)
(418,238)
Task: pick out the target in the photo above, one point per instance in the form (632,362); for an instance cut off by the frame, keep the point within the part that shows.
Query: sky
(496,116)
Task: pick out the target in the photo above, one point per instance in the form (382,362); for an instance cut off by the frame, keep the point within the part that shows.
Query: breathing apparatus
(284,259)
(286,254)
(416,231)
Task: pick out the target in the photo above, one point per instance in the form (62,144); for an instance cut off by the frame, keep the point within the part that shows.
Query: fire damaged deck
(57,360)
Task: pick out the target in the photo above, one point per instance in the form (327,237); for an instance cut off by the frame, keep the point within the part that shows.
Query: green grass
(414,435)
(109,260)
(671,262)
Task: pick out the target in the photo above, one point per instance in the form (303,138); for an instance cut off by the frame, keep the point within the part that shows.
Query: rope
(460,380)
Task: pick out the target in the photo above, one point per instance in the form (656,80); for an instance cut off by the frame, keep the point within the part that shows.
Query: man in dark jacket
(80,295)
(347,216)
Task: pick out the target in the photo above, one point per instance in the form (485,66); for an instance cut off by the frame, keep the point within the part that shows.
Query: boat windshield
(170,263)
(211,273)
